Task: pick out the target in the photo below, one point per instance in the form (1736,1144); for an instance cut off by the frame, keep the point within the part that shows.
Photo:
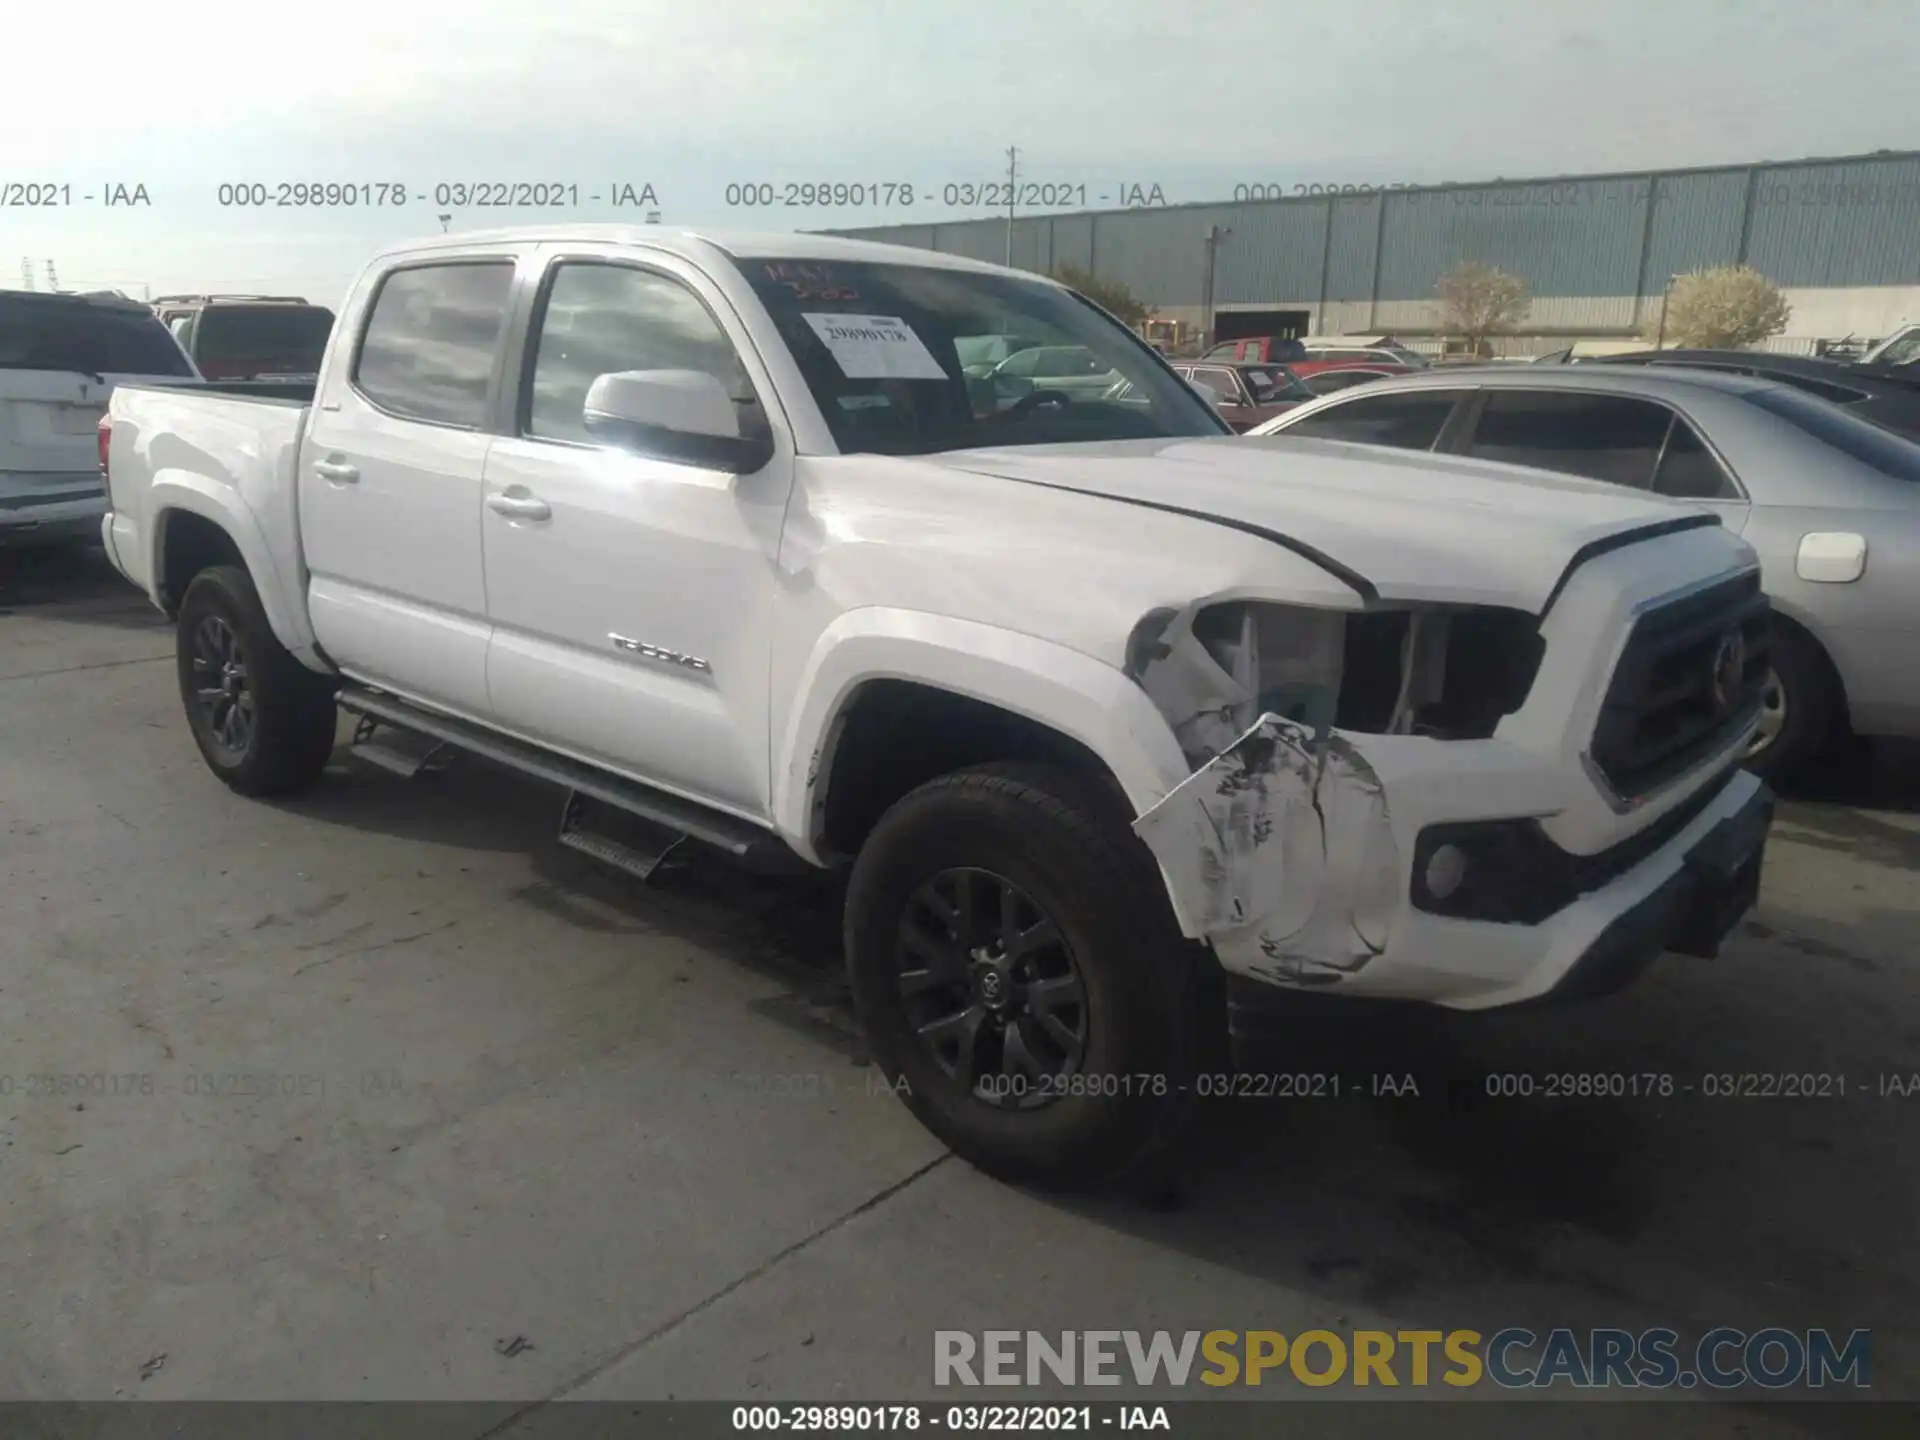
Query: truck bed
(176,448)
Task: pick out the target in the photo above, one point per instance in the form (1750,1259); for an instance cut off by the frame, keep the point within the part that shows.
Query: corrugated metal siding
(1847,224)
(1596,251)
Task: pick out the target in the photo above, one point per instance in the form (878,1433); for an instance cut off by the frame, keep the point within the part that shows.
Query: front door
(390,483)
(632,598)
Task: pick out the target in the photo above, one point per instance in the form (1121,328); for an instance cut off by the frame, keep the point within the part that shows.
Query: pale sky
(1192,95)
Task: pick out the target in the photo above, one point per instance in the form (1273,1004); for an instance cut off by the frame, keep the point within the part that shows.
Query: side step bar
(741,841)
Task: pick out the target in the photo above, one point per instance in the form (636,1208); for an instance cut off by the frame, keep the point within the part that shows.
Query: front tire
(263,721)
(1021,980)
(1800,707)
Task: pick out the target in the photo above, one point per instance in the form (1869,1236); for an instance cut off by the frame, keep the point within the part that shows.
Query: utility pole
(53,282)
(1013,173)
(1660,340)
(26,272)
(1215,234)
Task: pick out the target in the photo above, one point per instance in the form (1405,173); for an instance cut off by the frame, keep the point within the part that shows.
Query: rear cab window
(54,332)
(240,342)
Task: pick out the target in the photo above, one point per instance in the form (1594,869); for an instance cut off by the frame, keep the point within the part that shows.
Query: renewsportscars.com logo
(1721,1359)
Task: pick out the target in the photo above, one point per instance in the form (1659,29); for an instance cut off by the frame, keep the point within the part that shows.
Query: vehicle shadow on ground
(73,583)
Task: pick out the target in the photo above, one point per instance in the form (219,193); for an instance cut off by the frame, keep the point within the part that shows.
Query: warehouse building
(1841,236)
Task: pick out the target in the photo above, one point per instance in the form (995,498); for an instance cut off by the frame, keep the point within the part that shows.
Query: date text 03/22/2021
(953,194)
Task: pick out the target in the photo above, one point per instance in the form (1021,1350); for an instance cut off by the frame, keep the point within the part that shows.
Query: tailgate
(47,422)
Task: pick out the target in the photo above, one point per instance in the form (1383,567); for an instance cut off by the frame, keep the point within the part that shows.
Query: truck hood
(1408,526)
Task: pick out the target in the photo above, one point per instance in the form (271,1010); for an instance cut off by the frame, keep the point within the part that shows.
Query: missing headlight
(1451,673)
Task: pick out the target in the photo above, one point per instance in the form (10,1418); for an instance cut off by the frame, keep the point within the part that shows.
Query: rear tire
(1089,1112)
(1802,707)
(263,721)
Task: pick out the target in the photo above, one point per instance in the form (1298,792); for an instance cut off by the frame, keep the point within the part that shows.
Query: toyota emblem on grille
(1729,668)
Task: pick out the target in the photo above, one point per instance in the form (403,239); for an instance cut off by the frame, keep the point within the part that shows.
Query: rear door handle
(337,472)
(519,507)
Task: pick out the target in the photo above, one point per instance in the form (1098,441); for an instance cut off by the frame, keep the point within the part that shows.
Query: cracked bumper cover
(1292,858)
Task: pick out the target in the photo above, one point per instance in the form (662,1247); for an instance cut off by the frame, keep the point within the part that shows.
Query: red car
(1249,395)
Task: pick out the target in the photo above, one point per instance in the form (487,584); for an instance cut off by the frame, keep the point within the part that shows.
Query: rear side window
(1858,439)
(1603,437)
(1404,421)
(430,343)
(52,333)
(1689,470)
(240,340)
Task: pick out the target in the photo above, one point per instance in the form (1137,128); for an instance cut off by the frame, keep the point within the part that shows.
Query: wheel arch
(1037,699)
(196,523)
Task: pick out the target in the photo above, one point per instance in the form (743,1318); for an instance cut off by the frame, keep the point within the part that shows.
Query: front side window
(878,345)
(1408,421)
(430,342)
(1603,437)
(602,319)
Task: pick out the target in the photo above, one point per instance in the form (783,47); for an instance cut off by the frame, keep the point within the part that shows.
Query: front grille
(1690,676)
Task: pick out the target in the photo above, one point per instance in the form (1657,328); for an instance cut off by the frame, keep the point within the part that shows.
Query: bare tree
(1110,294)
(1724,309)
(1478,300)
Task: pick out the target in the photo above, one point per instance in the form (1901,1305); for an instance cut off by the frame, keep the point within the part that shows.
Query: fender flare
(183,490)
(1064,689)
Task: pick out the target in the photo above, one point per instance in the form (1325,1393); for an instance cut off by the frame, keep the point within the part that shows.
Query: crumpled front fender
(1283,849)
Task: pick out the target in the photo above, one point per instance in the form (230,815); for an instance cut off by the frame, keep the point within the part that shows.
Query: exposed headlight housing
(1448,672)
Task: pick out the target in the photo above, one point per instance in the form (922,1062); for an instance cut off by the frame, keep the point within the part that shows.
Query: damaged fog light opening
(1446,871)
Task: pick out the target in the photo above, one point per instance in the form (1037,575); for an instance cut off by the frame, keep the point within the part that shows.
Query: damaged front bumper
(1305,862)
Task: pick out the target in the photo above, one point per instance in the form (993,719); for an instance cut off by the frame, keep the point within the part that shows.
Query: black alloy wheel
(222,688)
(991,988)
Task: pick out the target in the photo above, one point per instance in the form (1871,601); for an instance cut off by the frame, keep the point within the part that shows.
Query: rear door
(390,478)
(1629,440)
(60,357)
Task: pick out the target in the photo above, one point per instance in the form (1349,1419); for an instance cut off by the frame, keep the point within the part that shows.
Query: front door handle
(337,472)
(519,507)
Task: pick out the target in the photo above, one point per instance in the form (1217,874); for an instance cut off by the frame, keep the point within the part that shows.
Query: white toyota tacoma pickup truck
(1118,722)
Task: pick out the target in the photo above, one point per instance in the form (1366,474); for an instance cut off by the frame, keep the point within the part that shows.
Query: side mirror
(681,415)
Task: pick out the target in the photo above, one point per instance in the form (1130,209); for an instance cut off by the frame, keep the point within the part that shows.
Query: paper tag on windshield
(875,347)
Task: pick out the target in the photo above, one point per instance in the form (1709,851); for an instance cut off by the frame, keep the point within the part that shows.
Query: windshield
(1273,383)
(235,341)
(51,333)
(881,348)
(1848,433)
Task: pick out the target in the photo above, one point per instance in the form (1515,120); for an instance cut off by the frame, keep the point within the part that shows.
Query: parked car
(1831,502)
(981,355)
(1378,350)
(1885,397)
(249,337)
(1333,380)
(1246,395)
(1074,372)
(1900,349)
(60,357)
(1257,350)
(703,530)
